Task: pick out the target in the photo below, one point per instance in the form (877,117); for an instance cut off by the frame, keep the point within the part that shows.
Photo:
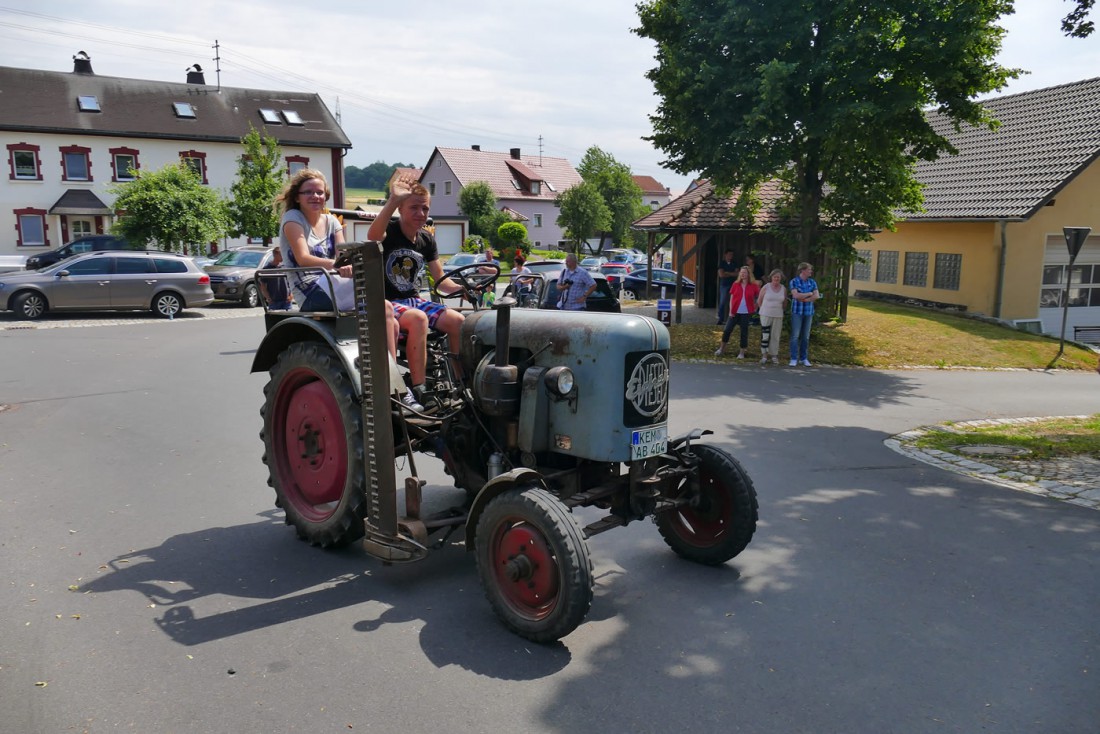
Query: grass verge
(884,335)
(1048,438)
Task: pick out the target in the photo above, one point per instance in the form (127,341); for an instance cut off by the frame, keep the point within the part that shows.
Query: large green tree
(622,196)
(827,96)
(1076,24)
(583,213)
(169,209)
(477,201)
(260,177)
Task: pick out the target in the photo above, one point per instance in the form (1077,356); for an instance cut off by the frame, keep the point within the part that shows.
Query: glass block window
(887,269)
(861,268)
(948,271)
(916,269)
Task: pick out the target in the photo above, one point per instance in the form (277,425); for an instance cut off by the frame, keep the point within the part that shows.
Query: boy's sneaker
(409,401)
(806,363)
(794,363)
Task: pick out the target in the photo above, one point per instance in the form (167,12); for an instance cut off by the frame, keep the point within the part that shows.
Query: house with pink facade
(525,187)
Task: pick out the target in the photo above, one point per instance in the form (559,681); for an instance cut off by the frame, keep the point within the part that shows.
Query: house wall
(444,205)
(20,194)
(979,245)
(1075,206)
(976,242)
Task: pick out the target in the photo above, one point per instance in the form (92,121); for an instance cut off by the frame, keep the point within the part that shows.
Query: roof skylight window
(292,118)
(271,117)
(88,103)
(184,109)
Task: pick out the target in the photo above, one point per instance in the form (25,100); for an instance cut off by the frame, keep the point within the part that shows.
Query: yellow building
(990,238)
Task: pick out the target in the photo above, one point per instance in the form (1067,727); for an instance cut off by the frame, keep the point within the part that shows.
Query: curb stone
(1075,480)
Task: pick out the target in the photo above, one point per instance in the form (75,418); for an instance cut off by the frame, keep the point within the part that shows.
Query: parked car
(91,243)
(233,273)
(592,264)
(462,258)
(163,282)
(603,299)
(634,284)
(615,272)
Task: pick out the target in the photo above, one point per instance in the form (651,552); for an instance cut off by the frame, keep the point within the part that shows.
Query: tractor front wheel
(534,564)
(720,519)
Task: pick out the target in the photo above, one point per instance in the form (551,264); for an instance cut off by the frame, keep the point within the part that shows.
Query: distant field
(361,195)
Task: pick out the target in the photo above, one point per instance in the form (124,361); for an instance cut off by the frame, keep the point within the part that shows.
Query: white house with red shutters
(69,136)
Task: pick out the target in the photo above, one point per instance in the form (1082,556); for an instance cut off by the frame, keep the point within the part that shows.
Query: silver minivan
(162,282)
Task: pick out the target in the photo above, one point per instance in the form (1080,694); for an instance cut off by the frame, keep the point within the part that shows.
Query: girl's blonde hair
(289,198)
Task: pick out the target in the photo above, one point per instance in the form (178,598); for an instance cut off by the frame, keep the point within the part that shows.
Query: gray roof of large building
(46,101)
(1045,139)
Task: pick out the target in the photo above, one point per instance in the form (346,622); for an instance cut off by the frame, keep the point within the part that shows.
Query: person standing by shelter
(803,295)
(727,275)
(744,295)
(770,303)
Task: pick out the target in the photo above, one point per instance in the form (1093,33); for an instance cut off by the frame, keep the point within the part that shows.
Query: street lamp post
(1075,238)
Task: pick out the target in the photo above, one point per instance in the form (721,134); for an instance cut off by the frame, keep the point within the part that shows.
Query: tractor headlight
(559,380)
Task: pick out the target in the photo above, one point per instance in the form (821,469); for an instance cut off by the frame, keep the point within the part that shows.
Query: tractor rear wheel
(534,564)
(721,520)
(312,445)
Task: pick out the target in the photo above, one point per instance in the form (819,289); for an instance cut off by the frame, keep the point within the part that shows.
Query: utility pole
(218,64)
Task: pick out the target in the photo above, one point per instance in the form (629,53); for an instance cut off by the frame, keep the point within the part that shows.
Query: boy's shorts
(431,308)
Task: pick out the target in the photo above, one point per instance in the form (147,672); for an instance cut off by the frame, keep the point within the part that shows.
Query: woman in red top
(743,295)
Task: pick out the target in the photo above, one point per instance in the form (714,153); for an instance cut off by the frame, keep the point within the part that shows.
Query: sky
(549,76)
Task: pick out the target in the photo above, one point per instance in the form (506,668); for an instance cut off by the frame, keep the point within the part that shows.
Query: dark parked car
(163,282)
(233,274)
(91,243)
(602,299)
(634,284)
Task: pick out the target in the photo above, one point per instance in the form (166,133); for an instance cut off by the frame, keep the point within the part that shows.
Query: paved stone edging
(1075,480)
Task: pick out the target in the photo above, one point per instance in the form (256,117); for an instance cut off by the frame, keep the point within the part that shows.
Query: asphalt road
(149,585)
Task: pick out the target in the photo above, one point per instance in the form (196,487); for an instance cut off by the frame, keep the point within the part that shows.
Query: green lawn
(879,334)
(1044,439)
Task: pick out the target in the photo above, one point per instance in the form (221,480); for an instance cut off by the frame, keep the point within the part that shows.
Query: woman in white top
(308,236)
(770,302)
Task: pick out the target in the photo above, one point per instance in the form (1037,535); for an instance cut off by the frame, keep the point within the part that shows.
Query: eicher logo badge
(647,387)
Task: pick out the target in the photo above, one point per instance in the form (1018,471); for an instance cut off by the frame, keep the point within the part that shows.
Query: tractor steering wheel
(472,280)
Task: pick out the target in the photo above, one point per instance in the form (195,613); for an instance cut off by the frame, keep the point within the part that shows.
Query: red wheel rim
(525,569)
(309,428)
(704,525)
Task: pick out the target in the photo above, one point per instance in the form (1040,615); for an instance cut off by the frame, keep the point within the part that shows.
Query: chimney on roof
(195,75)
(515,153)
(475,147)
(82,63)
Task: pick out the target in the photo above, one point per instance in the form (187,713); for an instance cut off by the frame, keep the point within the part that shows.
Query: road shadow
(774,385)
(272,579)
(876,590)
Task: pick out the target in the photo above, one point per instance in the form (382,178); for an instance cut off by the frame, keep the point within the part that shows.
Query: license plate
(648,442)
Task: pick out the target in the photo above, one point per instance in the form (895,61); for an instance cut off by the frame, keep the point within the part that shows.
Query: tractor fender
(496,486)
(298,329)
